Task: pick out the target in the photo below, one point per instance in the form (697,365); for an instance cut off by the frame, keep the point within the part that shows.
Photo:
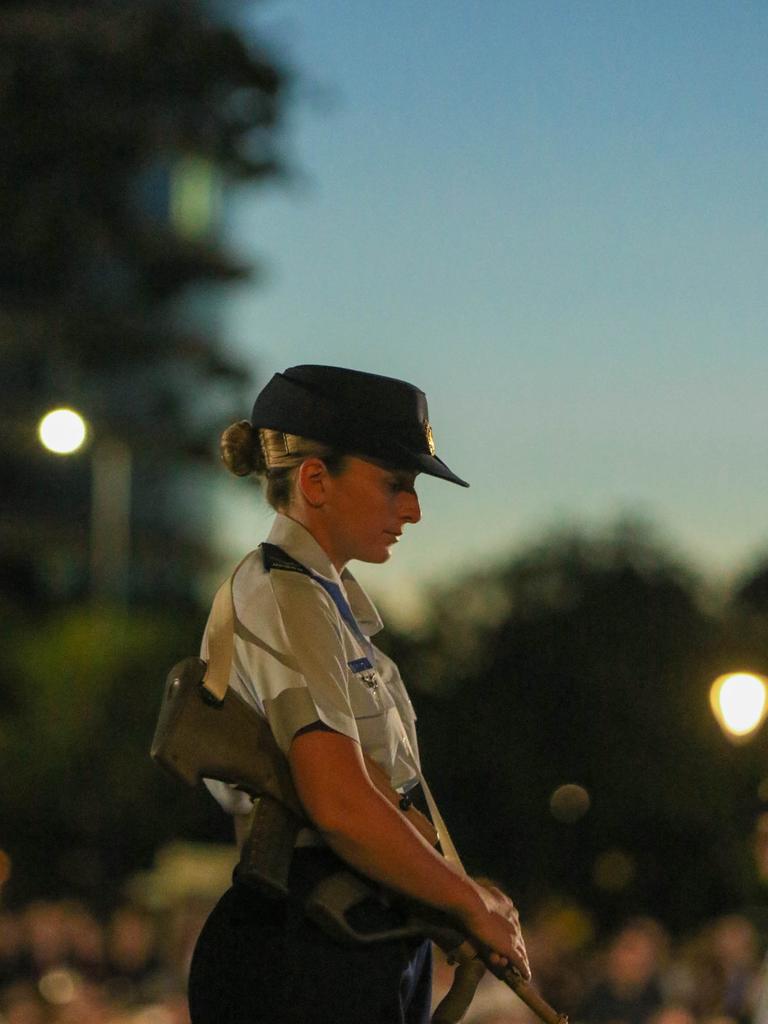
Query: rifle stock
(199,737)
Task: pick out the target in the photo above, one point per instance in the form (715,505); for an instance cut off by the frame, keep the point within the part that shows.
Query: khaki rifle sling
(221,639)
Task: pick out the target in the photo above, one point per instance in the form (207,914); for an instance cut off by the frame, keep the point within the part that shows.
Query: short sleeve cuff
(294,708)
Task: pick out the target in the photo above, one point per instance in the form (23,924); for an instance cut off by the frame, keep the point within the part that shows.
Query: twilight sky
(551,216)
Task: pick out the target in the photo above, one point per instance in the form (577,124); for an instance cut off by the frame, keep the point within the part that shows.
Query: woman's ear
(312,480)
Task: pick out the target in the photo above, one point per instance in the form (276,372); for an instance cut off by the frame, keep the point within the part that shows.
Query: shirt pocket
(368,696)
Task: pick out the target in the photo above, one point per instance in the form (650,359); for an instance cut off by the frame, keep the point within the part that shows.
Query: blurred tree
(87,805)
(586,661)
(119,122)
(751,592)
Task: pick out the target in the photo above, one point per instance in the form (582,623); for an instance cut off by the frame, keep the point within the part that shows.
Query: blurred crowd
(60,964)
(635,975)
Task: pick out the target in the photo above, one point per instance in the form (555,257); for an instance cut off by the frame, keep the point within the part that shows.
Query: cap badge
(430,439)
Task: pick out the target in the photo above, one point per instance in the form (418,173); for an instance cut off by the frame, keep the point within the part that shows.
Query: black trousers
(261,961)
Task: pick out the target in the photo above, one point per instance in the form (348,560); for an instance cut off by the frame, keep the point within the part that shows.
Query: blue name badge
(360,665)
(365,672)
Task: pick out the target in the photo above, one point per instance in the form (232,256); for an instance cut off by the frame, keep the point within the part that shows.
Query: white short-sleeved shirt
(297,661)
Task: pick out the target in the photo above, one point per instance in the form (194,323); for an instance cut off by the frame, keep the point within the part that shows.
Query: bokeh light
(760,846)
(739,702)
(568,803)
(59,986)
(613,870)
(6,867)
(62,431)
(156,1014)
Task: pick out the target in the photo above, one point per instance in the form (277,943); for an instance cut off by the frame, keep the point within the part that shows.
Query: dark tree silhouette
(751,592)
(118,124)
(587,661)
(107,113)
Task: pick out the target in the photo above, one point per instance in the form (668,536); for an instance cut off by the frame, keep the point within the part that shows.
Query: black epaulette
(275,558)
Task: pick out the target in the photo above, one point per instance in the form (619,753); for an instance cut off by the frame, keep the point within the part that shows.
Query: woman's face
(366,509)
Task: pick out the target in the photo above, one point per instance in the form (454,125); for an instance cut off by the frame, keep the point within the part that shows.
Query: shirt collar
(298,542)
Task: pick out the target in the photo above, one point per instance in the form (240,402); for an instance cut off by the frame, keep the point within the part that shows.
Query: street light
(739,702)
(64,431)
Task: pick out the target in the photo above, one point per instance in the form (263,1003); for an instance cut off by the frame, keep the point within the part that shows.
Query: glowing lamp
(739,702)
(62,431)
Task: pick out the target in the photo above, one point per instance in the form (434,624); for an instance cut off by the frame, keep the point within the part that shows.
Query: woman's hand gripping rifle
(198,736)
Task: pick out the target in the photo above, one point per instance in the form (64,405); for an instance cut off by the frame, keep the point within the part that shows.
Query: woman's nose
(411,510)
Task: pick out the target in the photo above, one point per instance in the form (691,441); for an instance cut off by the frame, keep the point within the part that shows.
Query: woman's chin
(377,556)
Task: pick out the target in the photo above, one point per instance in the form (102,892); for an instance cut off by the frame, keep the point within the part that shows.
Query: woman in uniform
(339,452)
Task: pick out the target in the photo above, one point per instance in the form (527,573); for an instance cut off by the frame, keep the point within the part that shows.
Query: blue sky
(551,216)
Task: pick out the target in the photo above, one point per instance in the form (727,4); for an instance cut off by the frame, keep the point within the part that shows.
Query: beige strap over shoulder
(221,638)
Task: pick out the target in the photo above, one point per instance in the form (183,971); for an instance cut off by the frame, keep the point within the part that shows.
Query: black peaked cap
(355,412)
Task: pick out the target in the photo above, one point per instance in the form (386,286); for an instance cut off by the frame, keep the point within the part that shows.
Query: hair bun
(240,449)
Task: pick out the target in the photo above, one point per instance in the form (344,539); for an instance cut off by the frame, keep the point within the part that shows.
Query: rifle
(200,736)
